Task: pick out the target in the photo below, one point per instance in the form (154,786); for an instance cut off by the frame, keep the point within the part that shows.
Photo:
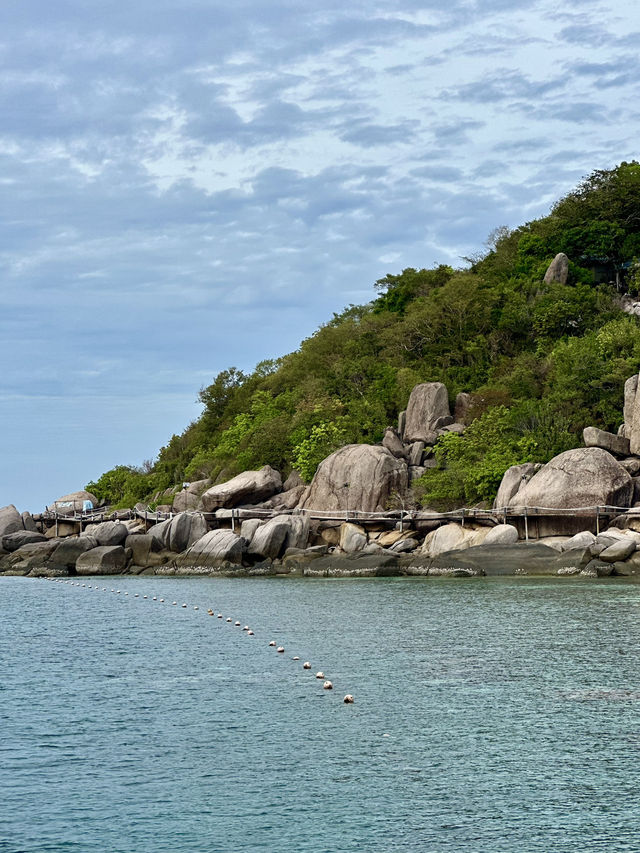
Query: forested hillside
(541,361)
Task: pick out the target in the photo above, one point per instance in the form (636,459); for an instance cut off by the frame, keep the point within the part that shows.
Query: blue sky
(189,185)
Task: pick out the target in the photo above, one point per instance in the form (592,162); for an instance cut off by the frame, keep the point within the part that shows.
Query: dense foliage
(541,361)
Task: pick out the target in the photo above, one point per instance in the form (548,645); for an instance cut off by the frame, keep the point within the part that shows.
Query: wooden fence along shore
(526,518)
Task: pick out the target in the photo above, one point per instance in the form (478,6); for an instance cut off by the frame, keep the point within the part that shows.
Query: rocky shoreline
(585,504)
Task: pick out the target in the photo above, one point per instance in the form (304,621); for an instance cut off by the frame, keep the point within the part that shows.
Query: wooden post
(462,517)
(56,517)
(597,521)
(233,528)
(526,526)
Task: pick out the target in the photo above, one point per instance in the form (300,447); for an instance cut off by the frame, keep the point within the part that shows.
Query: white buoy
(296,658)
(145,596)
(327,686)
(348,699)
(229,619)
(219,615)
(184,605)
(237,624)
(162,600)
(306,665)
(137,595)
(174,603)
(249,633)
(154,598)
(196,607)
(319,674)
(280,649)
(272,643)
(246,628)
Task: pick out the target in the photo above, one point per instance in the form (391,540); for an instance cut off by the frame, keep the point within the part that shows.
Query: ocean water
(496,714)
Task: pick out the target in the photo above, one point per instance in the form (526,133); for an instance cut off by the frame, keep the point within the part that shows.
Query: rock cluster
(254,524)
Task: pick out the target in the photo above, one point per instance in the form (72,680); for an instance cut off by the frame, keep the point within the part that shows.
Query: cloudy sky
(190,184)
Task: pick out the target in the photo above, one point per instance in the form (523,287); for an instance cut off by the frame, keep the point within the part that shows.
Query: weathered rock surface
(190,497)
(103,560)
(594,437)
(68,504)
(10,520)
(249,527)
(502,534)
(214,548)
(620,550)
(392,442)
(520,558)
(449,537)
(358,476)
(107,532)
(250,487)
(416,453)
(461,408)
(28,523)
(632,465)
(513,480)
(427,403)
(13,541)
(558,270)
(584,477)
(183,530)
(630,390)
(67,552)
(632,414)
(28,557)
(580,540)
(146,550)
(269,539)
(352,538)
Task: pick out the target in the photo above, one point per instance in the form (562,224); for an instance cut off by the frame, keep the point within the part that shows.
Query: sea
(489,714)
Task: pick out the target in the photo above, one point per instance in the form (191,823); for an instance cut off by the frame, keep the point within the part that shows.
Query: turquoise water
(494,714)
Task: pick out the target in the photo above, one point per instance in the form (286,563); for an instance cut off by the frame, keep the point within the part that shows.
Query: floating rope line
(327,685)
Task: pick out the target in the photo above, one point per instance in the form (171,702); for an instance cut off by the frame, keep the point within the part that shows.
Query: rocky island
(577,514)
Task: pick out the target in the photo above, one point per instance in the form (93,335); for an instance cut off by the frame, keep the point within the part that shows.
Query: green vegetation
(541,361)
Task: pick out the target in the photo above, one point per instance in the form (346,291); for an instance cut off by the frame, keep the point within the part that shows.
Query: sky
(189,185)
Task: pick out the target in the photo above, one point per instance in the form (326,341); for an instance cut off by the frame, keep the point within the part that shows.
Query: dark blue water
(490,715)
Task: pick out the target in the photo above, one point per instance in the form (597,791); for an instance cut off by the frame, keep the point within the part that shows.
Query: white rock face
(357,477)
(449,537)
(558,270)
(594,437)
(428,403)
(352,538)
(580,540)
(502,534)
(250,487)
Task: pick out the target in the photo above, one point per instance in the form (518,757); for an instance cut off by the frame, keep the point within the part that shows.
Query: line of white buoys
(327,685)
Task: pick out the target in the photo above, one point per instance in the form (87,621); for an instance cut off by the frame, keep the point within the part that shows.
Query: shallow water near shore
(496,714)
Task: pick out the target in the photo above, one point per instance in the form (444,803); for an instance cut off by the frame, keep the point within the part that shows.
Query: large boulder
(352,538)
(461,408)
(449,537)
(502,534)
(13,541)
(512,481)
(67,552)
(357,477)
(391,440)
(428,403)
(213,549)
(10,520)
(585,477)
(250,487)
(28,522)
(190,496)
(107,532)
(558,270)
(268,541)
(617,444)
(75,502)
(103,560)
(146,550)
(180,532)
